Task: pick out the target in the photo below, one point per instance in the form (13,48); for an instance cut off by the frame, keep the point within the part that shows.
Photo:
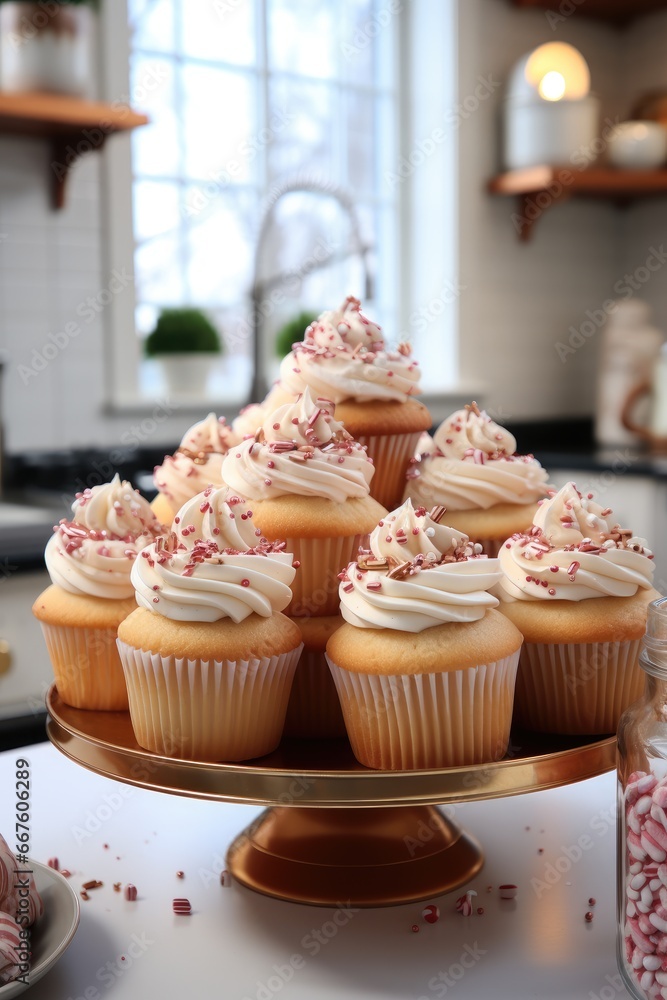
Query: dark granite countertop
(47,481)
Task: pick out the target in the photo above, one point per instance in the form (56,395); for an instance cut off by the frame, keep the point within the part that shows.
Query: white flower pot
(46,46)
(186,375)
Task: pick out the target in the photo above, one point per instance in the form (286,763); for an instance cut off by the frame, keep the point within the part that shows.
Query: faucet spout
(259,386)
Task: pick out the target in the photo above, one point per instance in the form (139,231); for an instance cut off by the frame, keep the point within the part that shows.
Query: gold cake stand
(336,830)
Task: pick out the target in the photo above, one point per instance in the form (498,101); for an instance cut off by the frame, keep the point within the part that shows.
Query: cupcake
(195,465)
(308,481)
(314,711)
(208,658)
(578,588)
(424,665)
(473,471)
(344,358)
(89,560)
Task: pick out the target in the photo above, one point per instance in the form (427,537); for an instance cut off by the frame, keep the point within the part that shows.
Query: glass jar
(642,822)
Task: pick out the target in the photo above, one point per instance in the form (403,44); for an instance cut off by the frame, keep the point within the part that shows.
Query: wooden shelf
(539,188)
(618,12)
(72,125)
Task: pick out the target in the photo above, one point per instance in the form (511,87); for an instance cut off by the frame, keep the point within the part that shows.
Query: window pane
(152,24)
(223,31)
(308,141)
(158,272)
(385,149)
(361,142)
(155,147)
(361,27)
(220,251)
(303,37)
(218,124)
(156,209)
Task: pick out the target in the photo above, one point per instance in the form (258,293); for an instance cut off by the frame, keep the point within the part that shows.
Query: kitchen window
(243,95)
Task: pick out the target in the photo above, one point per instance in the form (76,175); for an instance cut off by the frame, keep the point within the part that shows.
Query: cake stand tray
(337,830)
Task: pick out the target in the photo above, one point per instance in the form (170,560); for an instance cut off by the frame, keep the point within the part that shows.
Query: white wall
(522,298)
(51,263)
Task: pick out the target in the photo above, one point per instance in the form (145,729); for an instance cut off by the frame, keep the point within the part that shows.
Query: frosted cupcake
(195,465)
(314,711)
(424,666)
(208,658)
(89,560)
(489,491)
(578,588)
(344,358)
(308,481)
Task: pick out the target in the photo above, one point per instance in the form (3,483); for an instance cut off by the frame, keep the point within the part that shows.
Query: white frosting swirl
(435,575)
(216,516)
(93,553)
(472,428)
(343,356)
(300,449)
(206,583)
(473,466)
(197,462)
(573,554)
(209,434)
(251,418)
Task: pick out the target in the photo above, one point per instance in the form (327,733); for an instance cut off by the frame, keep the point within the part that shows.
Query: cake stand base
(360,857)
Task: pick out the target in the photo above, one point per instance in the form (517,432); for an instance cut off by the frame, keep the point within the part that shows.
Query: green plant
(183,331)
(292,331)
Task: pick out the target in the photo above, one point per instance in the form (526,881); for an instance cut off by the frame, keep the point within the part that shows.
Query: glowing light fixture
(550,115)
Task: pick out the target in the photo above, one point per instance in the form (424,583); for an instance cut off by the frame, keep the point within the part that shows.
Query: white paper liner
(577,688)
(208,710)
(315,586)
(411,721)
(86,667)
(314,712)
(391,454)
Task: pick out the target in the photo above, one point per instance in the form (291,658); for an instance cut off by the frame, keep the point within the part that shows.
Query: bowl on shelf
(637,145)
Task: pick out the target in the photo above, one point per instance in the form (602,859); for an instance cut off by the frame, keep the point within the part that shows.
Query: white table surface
(236,943)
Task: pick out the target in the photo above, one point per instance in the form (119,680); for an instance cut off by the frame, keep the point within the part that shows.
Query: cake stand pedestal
(337,831)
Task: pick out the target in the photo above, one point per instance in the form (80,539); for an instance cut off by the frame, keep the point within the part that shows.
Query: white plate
(52,933)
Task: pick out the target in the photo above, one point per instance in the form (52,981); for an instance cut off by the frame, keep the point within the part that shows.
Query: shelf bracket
(531,207)
(65,150)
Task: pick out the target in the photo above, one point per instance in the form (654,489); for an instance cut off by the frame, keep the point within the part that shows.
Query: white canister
(538,132)
(46,47)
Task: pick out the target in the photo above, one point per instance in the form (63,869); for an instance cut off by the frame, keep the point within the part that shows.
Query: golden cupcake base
(340,832)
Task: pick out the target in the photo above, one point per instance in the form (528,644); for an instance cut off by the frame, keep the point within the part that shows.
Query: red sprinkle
(182,906)
(54,863)
(130,892)
(245,583)
(415,928)
(180,874)
(588,917)
(480,910)
(592,901)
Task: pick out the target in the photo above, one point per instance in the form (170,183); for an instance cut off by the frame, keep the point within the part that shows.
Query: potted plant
(185,344)
(291,331)
(47,45)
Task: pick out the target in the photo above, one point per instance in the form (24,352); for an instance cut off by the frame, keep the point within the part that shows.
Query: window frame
(424,66)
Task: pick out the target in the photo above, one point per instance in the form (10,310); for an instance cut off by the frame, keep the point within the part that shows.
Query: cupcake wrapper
(448,719)
(315,586)
(577,688)
(314,712)
(208,710)
(391,456)
(86,667)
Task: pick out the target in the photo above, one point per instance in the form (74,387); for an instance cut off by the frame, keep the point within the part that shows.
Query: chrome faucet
(259,386)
